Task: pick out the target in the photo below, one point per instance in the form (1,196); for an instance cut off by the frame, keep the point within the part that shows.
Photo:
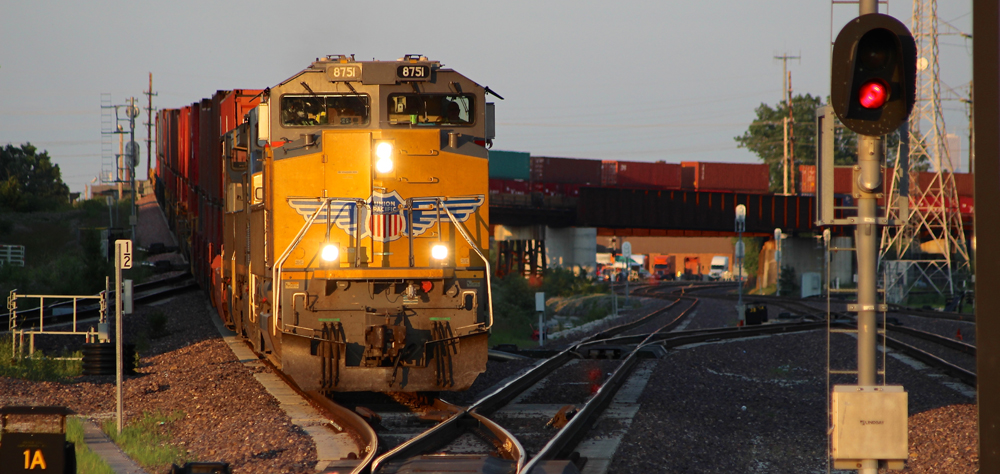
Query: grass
(86,460)
(146,440)
(38,367)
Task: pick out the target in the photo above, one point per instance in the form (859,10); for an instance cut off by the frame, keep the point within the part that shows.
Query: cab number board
(413,72)
(343,73)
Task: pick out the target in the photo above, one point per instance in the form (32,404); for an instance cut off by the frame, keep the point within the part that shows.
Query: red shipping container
(807,178)
(571,190)
(547,189)
(736,177)
(566,170)
(496,186)
(966,205)
(609,173)
(194,153)
(516,186)
(183,153)
(639,174)
(966,184)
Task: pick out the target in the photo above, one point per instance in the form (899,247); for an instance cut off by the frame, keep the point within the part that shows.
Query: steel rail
(933,360)
(959,346)
(356,424)
(461,421)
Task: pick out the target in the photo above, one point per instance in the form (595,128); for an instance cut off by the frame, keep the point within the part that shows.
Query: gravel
(227,414)
(692,416)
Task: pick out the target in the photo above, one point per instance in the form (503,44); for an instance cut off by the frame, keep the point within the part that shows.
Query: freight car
(353,202)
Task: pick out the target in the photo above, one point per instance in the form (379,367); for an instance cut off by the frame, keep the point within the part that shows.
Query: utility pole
(790,137)
(786,82)
(149,126)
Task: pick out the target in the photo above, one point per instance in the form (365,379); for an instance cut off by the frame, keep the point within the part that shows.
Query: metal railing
(18,334)
(12,255)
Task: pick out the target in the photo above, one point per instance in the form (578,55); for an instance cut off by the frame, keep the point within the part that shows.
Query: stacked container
(565,170)
(641,174)
(733,177)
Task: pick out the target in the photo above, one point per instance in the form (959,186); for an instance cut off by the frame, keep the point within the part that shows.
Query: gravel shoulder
(227,415)
(692,416)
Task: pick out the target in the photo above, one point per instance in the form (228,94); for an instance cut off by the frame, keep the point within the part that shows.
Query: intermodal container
(510,186)
(807,178)
(609,173)
(639,174)
(510,165)
(966,184)
(737,177)
(565,170)
(183,153)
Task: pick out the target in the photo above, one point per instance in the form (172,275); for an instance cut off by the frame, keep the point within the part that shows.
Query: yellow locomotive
(356,226)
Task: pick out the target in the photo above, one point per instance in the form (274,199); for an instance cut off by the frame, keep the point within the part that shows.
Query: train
(340,220)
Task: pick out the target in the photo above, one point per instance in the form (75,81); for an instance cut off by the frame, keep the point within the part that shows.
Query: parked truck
(661,267)
(719,269)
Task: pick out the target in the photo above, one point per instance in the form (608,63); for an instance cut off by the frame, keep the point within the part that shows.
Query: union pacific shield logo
(383,218)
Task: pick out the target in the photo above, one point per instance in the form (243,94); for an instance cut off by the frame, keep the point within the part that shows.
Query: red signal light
(873,94)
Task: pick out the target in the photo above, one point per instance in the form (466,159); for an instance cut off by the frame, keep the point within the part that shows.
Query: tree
(29,181)
(765,137)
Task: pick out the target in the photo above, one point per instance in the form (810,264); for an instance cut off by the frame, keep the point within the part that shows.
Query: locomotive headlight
(439,252)
(330,252)
(384,153)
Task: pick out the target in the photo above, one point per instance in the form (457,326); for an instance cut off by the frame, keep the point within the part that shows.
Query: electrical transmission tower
(930,247)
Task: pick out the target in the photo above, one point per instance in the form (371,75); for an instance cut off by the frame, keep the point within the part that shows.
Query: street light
(777,261)
(741,217)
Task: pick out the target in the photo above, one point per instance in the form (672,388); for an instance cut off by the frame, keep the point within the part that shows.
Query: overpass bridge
(652,212)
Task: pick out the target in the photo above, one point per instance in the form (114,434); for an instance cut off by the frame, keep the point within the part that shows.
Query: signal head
(873,74)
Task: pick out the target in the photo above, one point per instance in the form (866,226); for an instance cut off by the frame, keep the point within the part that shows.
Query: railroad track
(953,357)
(504,431)
(477,438)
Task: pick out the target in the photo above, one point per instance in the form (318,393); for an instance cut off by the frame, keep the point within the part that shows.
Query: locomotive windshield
(431,109)
(342,110)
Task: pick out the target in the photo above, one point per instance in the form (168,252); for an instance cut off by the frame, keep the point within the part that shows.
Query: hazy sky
(643,81)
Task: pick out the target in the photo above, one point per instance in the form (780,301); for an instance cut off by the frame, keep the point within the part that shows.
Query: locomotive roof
(375,72)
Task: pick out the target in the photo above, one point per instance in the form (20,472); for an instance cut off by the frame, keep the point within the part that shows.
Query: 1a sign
(123,249)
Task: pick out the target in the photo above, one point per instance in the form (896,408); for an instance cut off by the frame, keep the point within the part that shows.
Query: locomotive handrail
(276,271)
(489,285)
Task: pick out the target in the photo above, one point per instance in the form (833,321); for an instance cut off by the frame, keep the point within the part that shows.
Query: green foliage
(94,208)
(751,254)
(86,460)
(67,273)
(38,367)
(513,310)
(765,137)
(788,282)
(563,282)
(146,440)
(29,181)
(514,302)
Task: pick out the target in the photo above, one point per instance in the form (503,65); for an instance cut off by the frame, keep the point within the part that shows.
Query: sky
(636,81)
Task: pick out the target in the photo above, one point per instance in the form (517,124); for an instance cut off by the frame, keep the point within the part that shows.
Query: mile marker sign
(124,251)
